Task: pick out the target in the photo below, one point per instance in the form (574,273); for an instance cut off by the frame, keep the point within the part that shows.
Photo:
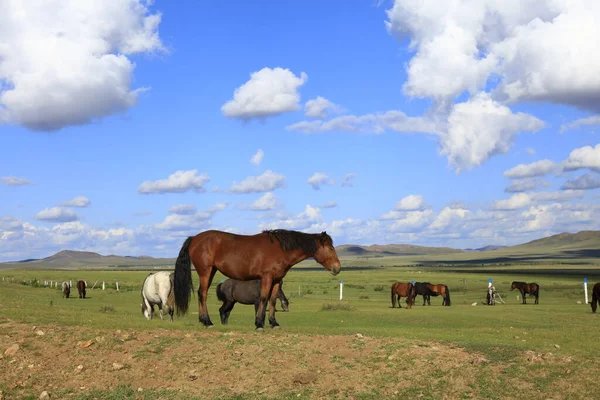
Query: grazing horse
(66,289)
(81,289)
(422,288)
(158,290)
(533,289)
(441,290)
(399,290)
(245,292)
(267,256)
(595,297)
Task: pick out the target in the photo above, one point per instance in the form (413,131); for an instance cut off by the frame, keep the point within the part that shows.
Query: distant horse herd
(256,266)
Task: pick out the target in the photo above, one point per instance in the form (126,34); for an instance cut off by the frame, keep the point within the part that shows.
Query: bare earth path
(78,362)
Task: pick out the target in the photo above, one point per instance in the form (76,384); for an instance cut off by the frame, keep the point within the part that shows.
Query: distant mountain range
(581,244)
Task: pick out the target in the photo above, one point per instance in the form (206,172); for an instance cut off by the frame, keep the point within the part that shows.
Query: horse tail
(393,296)
(447,295)
(220,294)
(594,299)
(183,278)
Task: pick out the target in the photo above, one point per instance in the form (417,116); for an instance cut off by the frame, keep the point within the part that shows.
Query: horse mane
(292,240)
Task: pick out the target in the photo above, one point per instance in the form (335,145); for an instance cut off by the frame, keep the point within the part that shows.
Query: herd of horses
(256,266)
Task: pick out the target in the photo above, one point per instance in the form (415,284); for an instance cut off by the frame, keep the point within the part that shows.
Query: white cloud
(348,180)
(469,134)
(584,157)
(194,221)
(530,151)
(265,182)
(183,209)
(593,120)
(78,201)
(329,204)
(449,216)
(481,128)
(461,46)
(56,214)
(15,181)
(268,201)
(320,108)
(412,221)
(178,182)
(522,200)
(319,178)
(52,49)
(538,168)
(583,182)
(525,185)
(302,221)
(269,92)
(411,202)
(368,123)
(257,157)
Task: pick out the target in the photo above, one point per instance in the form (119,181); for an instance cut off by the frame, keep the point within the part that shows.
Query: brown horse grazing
(533,289)
(267,256)
(440,290)
(81,289)
(595,297)
(66,289)
(399,290)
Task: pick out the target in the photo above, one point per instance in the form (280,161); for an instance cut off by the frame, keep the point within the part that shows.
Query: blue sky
(390,122)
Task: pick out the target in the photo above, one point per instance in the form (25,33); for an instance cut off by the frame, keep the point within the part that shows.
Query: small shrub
(325,291)
(337,307)
(308,291)
(379,288)
(105,309)
(363,297)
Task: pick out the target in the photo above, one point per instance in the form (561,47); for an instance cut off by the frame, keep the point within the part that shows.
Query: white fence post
(341,289)
(585,290)
(489,283)
(117,285)
(103,285)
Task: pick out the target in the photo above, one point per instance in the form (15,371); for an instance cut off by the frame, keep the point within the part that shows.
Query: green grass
(556,320)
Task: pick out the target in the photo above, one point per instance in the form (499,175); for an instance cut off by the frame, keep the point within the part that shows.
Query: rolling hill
(581,247)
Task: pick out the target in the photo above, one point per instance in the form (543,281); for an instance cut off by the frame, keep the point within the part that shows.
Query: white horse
(66,289)
(158,290)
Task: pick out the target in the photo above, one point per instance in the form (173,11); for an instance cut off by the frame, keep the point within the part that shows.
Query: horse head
(326,254)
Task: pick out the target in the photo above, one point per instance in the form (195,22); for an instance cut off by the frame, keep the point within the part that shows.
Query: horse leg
(225,310)
(524,296)
(266,284)
(205,281)
(273,301)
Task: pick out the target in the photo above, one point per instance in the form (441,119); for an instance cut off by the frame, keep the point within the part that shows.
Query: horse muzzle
(336,270)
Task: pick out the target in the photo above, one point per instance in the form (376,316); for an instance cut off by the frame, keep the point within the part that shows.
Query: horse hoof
(276,327)
(210,326)
(259,329)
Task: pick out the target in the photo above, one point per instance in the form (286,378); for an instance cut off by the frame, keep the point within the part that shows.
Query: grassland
(502,334)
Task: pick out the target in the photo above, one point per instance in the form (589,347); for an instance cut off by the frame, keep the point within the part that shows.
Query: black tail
(220,295)
(447,296)
(183,278)
(594,300)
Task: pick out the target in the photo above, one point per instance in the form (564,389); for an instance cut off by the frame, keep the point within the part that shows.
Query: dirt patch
(76,360)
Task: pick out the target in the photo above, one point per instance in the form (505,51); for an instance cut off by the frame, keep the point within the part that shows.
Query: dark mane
(292,240)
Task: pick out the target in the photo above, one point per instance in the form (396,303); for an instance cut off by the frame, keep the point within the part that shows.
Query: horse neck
(295,256)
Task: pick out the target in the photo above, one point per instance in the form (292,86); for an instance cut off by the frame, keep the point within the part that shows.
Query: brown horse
(595,297)
(81,289)
(440,290)
(533,289)
(267,256)
(399,290)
